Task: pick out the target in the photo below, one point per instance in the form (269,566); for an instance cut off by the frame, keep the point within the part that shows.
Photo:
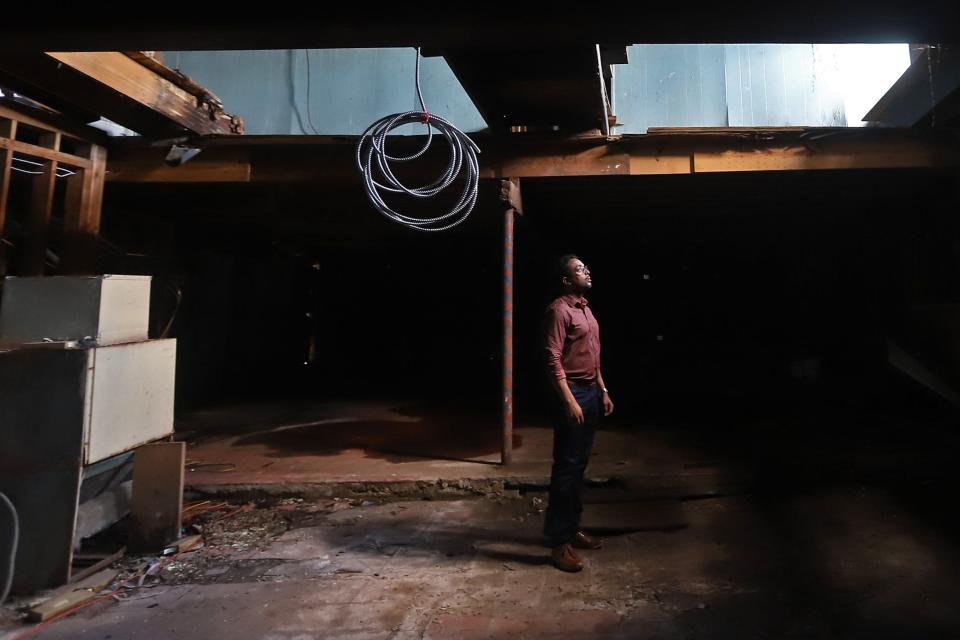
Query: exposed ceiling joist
(112,85)
(33,116)
(329,160)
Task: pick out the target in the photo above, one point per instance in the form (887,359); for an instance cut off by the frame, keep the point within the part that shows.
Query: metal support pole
(507,452)
(510,196)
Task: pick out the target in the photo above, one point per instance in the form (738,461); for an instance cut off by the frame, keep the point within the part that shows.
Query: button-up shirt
(572,339)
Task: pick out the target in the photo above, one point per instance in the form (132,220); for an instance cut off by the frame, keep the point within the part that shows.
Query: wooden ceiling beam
(112,85)
(329,160)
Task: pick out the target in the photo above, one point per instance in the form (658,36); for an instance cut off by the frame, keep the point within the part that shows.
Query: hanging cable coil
(372,156)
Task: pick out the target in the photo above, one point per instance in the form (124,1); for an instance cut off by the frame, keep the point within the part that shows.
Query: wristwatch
(604,389)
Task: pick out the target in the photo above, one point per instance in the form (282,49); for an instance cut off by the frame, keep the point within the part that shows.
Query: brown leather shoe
(583,541)
(565,559)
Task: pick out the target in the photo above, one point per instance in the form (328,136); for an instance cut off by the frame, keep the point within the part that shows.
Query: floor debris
(820,564)
(71,596)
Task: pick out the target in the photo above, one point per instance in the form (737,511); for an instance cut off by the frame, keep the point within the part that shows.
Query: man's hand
(607,404)
(574,413)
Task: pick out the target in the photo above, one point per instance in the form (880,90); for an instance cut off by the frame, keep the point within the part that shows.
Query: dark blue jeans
(572,446)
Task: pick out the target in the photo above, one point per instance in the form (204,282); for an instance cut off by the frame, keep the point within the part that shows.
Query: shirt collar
(576,301)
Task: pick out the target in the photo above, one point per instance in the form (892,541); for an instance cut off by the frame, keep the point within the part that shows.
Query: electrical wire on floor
(121,587)
(14,541)
(202,507)
(215,467)
(372,153)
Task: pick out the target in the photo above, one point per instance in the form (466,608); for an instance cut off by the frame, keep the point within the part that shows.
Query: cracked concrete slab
(835,563)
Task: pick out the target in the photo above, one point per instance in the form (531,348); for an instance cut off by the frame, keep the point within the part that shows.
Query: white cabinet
(129,396)
(110,309)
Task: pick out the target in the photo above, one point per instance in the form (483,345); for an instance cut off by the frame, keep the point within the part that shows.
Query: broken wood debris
(72,596)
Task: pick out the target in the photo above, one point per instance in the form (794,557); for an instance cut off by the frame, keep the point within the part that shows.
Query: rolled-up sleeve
(554,336)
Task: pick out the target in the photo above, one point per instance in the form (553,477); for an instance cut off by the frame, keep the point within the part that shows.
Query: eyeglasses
(579,269)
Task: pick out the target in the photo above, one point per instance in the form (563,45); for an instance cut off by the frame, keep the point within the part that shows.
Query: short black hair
(563,265)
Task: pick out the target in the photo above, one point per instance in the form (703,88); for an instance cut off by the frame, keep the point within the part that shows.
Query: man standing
(572,348)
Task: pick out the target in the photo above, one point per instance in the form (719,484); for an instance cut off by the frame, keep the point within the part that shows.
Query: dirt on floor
(838,561)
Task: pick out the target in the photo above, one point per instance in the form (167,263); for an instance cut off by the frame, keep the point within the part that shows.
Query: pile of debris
(213,533)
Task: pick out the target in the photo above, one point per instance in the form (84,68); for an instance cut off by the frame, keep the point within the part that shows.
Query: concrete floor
(834,526)
(316,449)
(839,562)
(320,448)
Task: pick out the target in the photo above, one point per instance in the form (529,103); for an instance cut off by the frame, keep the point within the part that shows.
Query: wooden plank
(335,163)
(176,76)
(157,501)
(801,160)
(38,222)
(182,545)
(98,175)
(43,153)
(110,84)
(76,194)
(653,163)
(101,564)
(72,596)
(590,161)
(77,243)
(51,121)
(144,86)
(84,201)
(713,131)
(603,160)
(8,130)
(324,159)
(813,149)
(212,165)
(43,346)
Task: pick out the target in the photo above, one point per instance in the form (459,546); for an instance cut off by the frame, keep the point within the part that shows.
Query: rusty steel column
(510,196)
(507,452)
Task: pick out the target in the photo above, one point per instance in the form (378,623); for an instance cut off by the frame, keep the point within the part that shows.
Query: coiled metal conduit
(372,152)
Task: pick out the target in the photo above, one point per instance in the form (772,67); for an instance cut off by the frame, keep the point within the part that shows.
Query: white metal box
(62,409)
(129,396)
(112,398)
(110,309)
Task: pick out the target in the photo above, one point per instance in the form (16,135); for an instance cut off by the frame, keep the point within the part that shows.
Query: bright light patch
(864,72)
